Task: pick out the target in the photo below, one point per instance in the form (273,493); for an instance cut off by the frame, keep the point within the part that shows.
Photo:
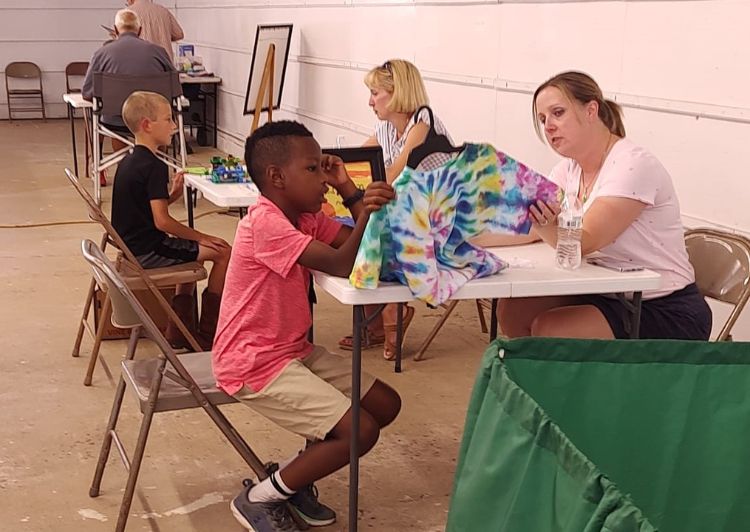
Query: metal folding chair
(721,262)
(110,93)
(449,307)
(22,95)
(167,383)
(136,277)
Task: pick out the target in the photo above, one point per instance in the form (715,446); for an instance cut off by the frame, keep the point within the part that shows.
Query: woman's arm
(488,240)
(605,220)
(416,136)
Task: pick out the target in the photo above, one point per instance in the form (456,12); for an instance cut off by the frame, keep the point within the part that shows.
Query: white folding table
(75,101)
(537,277)
(237,195)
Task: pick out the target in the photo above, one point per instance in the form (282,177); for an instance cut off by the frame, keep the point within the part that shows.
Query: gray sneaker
(261,516)
(305,502)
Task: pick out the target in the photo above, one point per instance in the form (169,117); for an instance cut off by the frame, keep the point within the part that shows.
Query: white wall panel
(699,53)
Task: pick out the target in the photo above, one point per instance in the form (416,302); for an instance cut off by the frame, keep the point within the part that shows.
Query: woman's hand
(544,214)
(377,194)
(333,168)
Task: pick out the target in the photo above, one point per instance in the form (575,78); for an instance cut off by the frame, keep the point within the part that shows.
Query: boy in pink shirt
(261,354)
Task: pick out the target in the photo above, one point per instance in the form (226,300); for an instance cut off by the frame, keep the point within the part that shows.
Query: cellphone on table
(613,265)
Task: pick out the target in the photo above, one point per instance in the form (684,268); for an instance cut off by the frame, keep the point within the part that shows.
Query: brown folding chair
(449,307)
(136,277)
(23,94)
(167,383)
(721,262)
(76,69)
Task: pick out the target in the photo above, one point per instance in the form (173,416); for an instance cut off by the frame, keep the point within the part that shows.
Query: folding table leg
(358,322)
(493,320)
(71,117)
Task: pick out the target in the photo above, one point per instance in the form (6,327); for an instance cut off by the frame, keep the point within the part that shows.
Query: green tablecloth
(578,435)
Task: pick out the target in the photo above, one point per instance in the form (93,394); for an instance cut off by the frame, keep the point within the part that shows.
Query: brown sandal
(389,349)
(369,341)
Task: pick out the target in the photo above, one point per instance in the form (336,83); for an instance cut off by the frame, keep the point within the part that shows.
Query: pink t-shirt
(265,314)
(655,240)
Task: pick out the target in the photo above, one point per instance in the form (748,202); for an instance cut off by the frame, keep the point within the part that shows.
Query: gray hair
(126,20)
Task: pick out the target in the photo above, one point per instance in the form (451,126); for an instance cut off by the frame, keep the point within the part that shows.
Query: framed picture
(279,35)
(364,165)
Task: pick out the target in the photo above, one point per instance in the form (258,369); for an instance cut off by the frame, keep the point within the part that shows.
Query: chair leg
(110,433)
(103,319)
(140,448)
(430,337)
(482,319)
(84,318)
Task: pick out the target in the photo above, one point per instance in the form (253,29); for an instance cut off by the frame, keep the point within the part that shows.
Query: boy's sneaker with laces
(261,516)
(305,502)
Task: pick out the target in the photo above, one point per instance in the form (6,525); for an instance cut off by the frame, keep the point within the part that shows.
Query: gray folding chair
(110,93)
(167,383)
(135,276)
(721,262)
(26,95)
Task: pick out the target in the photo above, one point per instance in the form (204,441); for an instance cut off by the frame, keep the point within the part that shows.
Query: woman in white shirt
(631,215)
(396,92)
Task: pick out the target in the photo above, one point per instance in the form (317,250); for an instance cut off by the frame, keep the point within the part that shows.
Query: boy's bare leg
(380,407)
(220,259)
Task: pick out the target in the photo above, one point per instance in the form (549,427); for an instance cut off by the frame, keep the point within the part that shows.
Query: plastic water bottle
(569,229)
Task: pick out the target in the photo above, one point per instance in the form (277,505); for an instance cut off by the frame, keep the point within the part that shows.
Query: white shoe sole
(239,517)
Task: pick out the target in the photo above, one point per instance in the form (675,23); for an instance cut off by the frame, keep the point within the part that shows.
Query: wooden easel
(266,86)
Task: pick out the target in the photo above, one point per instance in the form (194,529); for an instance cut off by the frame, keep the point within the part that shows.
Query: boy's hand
(333,168)
(178,183)
(377,194)
(213,242)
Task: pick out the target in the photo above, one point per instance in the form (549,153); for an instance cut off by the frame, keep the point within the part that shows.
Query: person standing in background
(158,24)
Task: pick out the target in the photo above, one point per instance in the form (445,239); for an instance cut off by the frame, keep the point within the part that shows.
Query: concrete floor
(51,426)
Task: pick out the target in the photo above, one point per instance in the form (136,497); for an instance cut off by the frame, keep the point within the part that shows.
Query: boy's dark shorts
(170,252)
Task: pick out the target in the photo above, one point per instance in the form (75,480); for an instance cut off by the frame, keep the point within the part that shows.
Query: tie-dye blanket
(421,238)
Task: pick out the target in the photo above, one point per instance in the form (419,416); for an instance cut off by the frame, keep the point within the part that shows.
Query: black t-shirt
(140,178)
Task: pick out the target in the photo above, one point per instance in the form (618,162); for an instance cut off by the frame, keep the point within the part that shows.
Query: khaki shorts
(309,396)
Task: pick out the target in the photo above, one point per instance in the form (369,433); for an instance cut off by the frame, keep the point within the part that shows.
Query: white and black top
(385,133)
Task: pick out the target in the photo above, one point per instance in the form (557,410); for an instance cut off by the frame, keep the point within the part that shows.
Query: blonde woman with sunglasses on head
(396,92)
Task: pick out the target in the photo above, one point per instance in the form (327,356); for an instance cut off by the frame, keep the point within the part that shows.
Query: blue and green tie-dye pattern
(421,238)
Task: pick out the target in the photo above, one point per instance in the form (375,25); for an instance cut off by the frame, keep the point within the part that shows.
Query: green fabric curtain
(621,436)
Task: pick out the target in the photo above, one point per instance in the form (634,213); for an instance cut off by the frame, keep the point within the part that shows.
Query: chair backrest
(123,298)
(23,69)
(96,214)
(721,262)
(75,69)
(111,90)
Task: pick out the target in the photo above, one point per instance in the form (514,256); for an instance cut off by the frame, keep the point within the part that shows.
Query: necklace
(586,190)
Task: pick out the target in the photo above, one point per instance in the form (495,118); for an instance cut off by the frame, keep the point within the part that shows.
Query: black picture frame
(369,154)
(284,32)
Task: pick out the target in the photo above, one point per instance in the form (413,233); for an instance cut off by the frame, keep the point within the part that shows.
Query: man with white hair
(127,54)
(158,24)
